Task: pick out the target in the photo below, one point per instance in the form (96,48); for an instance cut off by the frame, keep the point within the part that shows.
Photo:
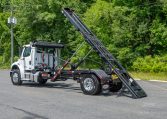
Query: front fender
(16,65)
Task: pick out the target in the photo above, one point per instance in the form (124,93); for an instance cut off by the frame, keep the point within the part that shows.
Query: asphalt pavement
(65,100)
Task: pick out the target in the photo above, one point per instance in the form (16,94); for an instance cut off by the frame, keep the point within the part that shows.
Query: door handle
(29,62)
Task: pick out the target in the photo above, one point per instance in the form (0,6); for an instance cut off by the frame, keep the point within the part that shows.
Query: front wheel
(16,77)
(90,85)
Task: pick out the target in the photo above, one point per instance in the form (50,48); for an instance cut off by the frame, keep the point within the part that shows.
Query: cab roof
(44,44)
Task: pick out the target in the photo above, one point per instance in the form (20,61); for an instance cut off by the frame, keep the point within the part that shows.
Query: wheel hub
(88,84)
(15,77)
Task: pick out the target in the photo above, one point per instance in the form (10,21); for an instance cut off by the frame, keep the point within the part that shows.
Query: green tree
(4,32)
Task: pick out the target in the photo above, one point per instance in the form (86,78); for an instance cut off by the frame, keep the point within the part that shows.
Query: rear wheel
(41,80)
(16,77)
(90,84)
(116,85)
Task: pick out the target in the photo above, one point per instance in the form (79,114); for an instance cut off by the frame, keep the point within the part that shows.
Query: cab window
(27,51)
(46,50)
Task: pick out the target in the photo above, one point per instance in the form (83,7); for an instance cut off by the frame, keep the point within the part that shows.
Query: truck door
(27,58)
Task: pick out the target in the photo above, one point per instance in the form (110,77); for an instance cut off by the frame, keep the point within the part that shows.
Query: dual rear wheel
(41,80)
(90,85)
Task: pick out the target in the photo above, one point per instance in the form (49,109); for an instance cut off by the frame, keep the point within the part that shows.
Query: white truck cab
(37,62)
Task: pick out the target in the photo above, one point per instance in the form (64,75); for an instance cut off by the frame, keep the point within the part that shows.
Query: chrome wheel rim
(88,84)
(15,77)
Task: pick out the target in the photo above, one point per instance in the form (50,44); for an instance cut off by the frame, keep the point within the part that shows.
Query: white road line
(158,81)
(152,80)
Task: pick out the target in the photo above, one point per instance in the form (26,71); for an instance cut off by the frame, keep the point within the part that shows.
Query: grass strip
(162,76)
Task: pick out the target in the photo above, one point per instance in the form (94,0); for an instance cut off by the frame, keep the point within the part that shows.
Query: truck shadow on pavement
(72,88)
(53,85)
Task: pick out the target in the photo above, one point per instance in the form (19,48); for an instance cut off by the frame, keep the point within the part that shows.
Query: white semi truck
(40,61)
(37,61)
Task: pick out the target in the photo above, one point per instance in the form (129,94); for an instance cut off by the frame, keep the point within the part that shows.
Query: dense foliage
(150,64)
(134,31)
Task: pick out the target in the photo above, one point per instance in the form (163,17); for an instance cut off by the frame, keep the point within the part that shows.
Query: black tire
(93,88)
(16,77)
(41,81)
(115,87)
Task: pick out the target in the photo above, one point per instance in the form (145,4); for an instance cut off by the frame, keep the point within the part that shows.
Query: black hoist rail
(96,44)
